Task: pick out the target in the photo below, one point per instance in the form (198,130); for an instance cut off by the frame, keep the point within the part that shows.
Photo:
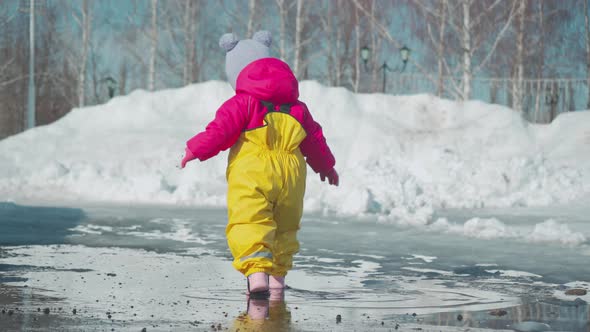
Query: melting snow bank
(549,231)
(400,157)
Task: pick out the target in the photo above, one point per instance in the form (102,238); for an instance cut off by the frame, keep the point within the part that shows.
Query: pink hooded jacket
(268,80)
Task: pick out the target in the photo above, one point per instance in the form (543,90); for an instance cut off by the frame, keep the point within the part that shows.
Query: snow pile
(400,157)
(551,231)
(547,232)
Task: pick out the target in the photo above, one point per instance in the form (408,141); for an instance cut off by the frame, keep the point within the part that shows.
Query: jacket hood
(269,79)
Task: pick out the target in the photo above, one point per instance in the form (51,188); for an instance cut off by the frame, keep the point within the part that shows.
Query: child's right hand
(187,157)
(332,176)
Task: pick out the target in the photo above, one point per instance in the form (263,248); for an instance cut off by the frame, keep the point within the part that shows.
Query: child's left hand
(187,157)
(332,177)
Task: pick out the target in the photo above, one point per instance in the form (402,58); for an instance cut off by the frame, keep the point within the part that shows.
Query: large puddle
(170,270)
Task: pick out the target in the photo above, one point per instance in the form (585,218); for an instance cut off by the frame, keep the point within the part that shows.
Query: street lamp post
(31,101)
(33,8)
(29,7)
(552,100)
(385,68)
(404,54)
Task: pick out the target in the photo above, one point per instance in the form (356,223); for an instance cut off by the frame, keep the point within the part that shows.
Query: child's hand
(332,176)
(187,157)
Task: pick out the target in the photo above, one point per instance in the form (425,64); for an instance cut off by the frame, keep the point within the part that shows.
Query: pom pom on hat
(228,41)
(264,37)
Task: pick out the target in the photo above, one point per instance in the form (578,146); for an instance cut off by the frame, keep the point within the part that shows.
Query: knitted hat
(240,53)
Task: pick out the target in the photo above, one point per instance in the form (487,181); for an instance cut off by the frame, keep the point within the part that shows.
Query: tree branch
(485,13)
(426,9)
(385,33)
(496,42)
(13,80)
(237,18)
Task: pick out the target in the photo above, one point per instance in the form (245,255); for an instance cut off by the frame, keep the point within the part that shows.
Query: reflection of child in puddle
(265,314)
(272,137)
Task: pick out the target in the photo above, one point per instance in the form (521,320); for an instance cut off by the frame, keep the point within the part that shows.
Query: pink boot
(276,282)
(257,282)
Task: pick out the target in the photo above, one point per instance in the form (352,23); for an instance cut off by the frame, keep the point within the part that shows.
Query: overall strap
(283,108)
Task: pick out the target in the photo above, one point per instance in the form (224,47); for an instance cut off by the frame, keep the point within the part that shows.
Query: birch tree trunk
(517,86)
(187,42)
(357,62)
(84,56)
(441,47)
(330,44)
(95,78)
(587,24)
(283,12)
(251,17)
(374,51)
(466,41)
(153,47)
(190,7)
(339,62)
(122,79)
(541,63)
(298,38)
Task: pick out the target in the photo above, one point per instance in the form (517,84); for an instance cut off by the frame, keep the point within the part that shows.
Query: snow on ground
(399,157)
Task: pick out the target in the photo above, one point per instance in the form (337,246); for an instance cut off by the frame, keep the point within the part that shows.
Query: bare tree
(517,82)
(435,19)
(467,48)
(95,77)
(83,19)
(56,86)
(356,76)
(587,26)
(298,47)
(10,79)
(5,73)
(151,84)
(474,34)
(338,26)
(440,50)
(284,9)
(475,27)
(541,55)
(170,43)
(134,40)
(383,31)
(76,43)
(327,23)
(6,60)
(122,82)
(543,25)
(190,16)
(252,4)
(377,10)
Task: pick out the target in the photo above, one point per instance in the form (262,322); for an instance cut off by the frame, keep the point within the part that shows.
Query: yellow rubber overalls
(266,183)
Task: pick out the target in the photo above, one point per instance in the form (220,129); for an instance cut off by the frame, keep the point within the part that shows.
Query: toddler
(271,135)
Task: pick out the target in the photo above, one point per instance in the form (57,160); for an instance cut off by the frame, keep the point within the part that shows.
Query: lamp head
(365,53)
(405,53)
